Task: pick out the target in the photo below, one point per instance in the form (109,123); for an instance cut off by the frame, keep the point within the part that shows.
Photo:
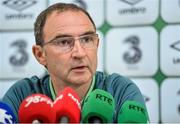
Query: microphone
(36,108)
(67,106)
(133,112)
(6,114)
(99,107)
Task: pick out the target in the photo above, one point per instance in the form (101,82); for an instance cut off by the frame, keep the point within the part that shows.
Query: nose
(78,51)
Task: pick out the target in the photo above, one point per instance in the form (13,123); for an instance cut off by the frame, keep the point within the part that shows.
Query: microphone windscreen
(132,112)
(6,114)
(36,107)
(67,106)
(98,107)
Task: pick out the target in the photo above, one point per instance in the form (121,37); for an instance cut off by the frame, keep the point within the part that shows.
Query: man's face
(78,65)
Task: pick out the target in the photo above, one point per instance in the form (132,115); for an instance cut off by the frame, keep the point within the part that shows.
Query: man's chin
(80,78)
(79,81)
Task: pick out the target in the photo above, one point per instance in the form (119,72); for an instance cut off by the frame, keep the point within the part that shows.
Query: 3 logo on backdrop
(19,6)
(134,55)
(20,57)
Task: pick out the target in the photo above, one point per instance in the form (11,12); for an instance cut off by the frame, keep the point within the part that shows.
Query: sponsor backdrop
(139,39)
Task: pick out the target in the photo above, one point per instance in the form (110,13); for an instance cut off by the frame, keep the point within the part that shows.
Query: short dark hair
(59,7)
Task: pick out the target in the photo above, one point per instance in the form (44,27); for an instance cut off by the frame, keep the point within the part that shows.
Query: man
(66,45)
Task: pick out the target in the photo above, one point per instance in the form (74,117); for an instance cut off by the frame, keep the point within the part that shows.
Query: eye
(87,39)
(63,42)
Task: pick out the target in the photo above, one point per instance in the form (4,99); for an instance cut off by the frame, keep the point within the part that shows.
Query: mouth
(79,68)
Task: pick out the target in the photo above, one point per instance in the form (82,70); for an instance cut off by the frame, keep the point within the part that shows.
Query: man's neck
(80,89)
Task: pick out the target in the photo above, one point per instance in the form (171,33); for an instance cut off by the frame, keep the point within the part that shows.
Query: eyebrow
(89,32)
(67,35)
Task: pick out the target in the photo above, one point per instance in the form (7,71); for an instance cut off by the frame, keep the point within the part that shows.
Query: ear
(39,54)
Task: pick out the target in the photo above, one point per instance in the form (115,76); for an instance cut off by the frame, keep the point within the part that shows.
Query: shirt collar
(53,94)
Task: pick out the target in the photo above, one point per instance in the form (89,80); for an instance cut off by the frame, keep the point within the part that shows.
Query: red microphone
(67,106)
(37,108)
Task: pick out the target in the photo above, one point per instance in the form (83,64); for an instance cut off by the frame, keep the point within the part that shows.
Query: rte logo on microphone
(104,98)
(136,108)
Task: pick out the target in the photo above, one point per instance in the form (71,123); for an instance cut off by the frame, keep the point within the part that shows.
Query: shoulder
(29,84)
(120,87)
(112,80)
(21,89)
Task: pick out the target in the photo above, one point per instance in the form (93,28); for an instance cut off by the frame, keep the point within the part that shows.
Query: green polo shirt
(121,88)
